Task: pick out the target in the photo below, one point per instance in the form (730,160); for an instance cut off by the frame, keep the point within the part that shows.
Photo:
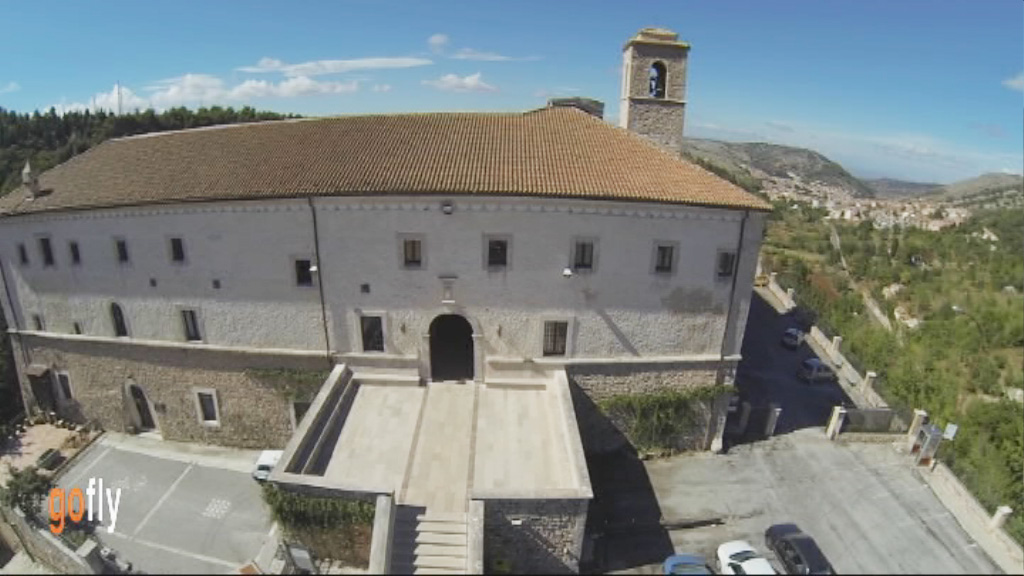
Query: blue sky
(916,89)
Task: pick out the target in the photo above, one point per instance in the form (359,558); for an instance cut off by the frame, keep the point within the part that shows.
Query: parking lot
(862,503)
(183,509)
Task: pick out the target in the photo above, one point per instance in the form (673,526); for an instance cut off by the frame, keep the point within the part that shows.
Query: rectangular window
(191,322)
(76,256)
(177,250)
(664,258)
(208,409)
(22,255)
(583,257)
(303,274)
(77,327)
(497,253)
(412,252)
(38,321)
(65,385)
(373,333)
(726,264)
(555,335)
(122,251)
(46,248)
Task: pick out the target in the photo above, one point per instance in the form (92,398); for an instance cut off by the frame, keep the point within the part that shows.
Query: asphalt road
(175,515)
(767,373)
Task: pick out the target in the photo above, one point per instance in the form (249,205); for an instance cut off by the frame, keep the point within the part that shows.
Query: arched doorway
(141,404)
(451,348)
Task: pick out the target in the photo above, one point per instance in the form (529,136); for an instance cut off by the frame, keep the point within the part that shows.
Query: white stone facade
(622,309)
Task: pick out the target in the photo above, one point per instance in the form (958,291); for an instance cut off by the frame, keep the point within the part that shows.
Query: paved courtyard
(183,509)
(862,503)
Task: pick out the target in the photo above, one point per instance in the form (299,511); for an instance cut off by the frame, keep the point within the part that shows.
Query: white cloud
(471,54)
(321,67)
(438,42)
(206,90)
(381,88)
(10,87)
(1015,83)
(454,83)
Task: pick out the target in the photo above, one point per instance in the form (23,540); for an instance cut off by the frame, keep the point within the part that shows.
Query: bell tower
(653,99)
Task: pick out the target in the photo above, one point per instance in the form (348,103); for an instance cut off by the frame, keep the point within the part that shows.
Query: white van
(265,464)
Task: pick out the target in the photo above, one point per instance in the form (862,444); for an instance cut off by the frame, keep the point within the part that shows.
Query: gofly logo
(72,505)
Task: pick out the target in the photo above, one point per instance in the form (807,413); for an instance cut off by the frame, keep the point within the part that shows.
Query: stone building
(408,304)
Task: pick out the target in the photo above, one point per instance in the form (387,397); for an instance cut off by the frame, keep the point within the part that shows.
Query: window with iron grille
(583,258)
(190,321)
(373,333)
(177,250)
(412,251)
(303,275)
(555,334)
(497,253)
(122,251)
(46,248)
(726,264)
(664,258)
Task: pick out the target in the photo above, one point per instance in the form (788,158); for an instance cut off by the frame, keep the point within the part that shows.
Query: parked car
(813,370)
(686,564)
(792,338)
(265,464)
(797,551)
(739,557)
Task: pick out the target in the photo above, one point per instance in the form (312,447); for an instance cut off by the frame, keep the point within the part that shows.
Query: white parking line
(162,499)
(210,559)
(82,473)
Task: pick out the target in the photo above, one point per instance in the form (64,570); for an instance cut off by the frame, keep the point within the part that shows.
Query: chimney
(588,105)
(30,182)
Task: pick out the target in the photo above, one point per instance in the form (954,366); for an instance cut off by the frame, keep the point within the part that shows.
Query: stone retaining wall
(47,549)
(534,536)
(591,384)
(252,413)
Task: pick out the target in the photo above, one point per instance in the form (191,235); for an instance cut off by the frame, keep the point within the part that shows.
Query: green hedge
(658,422)
(293,509)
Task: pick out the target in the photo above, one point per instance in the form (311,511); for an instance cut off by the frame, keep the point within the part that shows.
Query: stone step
(442,539)
(385,378)
(445,562)
(518,383)
(438,571)
(455,551)
(454,517)
(441,528)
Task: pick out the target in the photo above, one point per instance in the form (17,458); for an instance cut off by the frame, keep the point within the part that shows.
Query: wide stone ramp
(438,477)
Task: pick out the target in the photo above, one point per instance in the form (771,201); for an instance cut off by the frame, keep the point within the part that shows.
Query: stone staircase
(428,542)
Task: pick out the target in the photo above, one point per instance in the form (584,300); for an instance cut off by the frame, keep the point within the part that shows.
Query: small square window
(152,282)
(664,257)
(208,409)
(190,321)
(46,248)
(583,256)
(303,273)
(216,284)
(412,251)
(497,253)
(22,255)
(122,251)
(364,288)
(65,386)
(76,256)
(726,264)
(177,250)
(37,320)
(372,328)
(555,336)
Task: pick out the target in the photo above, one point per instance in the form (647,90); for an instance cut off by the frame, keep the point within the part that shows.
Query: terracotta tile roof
(552,152)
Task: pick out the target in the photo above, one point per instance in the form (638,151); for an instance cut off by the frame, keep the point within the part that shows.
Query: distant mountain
(896,189)
(991,183)
(750,158)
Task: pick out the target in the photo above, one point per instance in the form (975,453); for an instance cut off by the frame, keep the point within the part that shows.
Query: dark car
(792,338)
(797,551)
